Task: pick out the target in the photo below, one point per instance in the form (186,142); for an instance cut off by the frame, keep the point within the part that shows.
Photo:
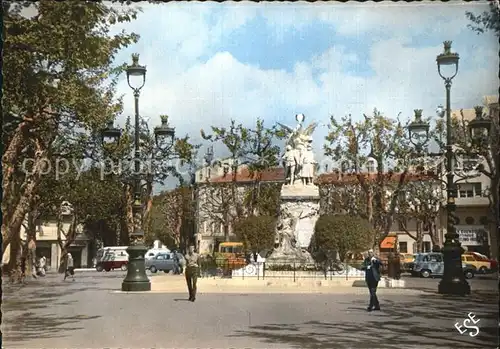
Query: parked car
(155,252)
(113,260)
(162,261)
(432,265)
(482,262)
(407,262)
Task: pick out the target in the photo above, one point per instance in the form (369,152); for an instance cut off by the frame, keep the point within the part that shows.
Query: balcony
(472,201)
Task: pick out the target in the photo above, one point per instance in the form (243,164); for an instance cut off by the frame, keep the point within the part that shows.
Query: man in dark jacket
(371,266)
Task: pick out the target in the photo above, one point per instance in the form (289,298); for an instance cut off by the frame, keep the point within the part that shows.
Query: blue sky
(212,62)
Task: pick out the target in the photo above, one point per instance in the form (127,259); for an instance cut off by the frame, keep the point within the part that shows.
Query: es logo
(468,325)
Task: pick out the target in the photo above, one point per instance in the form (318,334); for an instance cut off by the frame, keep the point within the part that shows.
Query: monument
(299,208)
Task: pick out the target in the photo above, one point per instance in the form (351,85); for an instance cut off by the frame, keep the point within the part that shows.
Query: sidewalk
(177,284)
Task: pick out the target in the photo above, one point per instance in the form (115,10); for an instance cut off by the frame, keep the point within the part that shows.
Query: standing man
(371,266)
(192,264)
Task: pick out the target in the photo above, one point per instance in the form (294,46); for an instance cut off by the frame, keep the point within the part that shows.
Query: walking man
(192,264)
(371,266)
(70,269)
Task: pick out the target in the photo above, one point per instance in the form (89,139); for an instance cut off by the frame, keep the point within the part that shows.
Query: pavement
(91,313)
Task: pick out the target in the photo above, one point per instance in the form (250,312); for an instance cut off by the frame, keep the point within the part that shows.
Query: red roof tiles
(337,178)
(276,174)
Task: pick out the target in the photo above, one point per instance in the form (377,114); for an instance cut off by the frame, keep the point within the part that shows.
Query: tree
(350,143)
(95,201)
(52,97)
(159,159)
(342,233)
(171,217)
(256,232)
(249,148)
(421,204)
(486,21)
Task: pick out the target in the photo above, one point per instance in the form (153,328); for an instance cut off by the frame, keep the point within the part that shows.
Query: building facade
(215,209)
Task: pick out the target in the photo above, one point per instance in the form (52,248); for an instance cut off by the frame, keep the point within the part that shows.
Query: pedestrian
(176,263)
(23,269)
(181,263)
(70,269)
(371,266)
(192,265)
(43,265)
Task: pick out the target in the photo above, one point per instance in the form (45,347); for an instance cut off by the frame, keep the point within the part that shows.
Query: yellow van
(232,252)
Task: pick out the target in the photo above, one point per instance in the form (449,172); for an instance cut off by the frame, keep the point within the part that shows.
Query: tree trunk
(419,238)
(12,225)
(129,212)
(14,265)
(70,238)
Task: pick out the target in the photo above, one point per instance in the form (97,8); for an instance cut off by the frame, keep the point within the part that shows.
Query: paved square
(88,313)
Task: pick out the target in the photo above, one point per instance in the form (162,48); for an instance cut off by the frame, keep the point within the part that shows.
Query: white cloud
(197,94)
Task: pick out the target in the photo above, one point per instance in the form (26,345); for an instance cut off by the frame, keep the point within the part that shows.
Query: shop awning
(388,242)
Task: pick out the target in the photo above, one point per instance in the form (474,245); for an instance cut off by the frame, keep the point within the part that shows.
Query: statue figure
(296,146)
(308,163)
(290,164)
(286,234)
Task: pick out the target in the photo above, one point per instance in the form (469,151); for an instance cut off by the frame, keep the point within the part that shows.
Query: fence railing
(286,269)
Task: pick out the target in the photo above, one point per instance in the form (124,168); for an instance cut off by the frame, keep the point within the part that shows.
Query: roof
(275,174)
(339,179)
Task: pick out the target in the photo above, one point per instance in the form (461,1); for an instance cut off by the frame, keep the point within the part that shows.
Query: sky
(208,63)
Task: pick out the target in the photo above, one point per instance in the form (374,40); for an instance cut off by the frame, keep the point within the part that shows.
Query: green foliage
(342,233)
(171,218)
(76,89)
(486,21)
(254,148)
(256,232)
(59,90)
(93,198)
(350,142)
(267,197)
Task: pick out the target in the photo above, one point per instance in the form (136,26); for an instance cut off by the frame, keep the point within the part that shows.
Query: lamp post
(453,281)
(136,279)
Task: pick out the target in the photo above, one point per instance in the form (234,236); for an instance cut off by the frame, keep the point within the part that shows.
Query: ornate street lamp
(453,281)
(136,279)
(418,131)
(110,134)
(480,126)
(164,131)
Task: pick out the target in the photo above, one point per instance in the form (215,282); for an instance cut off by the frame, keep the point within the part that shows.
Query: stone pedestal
(299,203)
(302,202)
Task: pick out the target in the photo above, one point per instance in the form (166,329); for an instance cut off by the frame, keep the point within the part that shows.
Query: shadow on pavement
(427,322)
(29,326)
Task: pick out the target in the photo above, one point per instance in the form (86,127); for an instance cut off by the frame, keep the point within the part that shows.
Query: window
(469,259)
(160,256)
(436,258)
(403,247)
(427,246)
(371,165)
(470,190)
